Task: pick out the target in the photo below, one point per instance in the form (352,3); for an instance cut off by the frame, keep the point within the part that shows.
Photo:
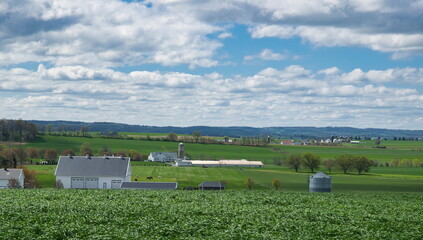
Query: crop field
(381,179)
(396,149)
(131,214)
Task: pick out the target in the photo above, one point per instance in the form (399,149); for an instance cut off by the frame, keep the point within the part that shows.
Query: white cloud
(267,55)
(294,94)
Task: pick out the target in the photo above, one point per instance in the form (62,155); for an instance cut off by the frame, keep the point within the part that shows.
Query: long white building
(220,163)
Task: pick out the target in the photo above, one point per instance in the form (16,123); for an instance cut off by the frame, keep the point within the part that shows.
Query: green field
(393,179)
(396,149)
(129,214)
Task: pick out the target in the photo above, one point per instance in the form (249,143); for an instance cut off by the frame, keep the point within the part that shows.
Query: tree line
(312,162)
(17,130)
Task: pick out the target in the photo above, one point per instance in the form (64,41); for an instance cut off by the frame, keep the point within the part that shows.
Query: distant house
(7,174)
(290,142)
(150,185)
(211,186)
(162,156)
(93,172)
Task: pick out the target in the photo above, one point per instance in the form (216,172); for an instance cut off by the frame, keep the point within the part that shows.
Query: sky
(258,63)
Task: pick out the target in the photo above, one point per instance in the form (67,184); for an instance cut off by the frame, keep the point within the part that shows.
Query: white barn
(7,174)
(163,156)
(93,172)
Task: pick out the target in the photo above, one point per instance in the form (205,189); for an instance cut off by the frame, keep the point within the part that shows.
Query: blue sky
(257,63)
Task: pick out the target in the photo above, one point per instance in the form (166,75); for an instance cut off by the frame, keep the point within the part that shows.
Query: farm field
(380,179)
(128,214)
(396,149)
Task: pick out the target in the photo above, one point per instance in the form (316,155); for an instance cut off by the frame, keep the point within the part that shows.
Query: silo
(181,153)
(320,182)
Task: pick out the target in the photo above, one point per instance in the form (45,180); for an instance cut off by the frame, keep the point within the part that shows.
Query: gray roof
(10,174)
(320,175)
(150,185)
(167,154)
(211,184)
(93,166)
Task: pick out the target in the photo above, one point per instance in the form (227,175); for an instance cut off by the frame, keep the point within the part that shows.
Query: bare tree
(196,135)
(330,164)
(14,183)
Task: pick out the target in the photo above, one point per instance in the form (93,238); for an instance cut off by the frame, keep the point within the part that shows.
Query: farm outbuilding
(211,186)
(220,163)
(8,174)
(320,182)
(93,172)
(162,156)
(150,185)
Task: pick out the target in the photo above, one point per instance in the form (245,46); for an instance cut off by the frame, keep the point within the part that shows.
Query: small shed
(8,174)
(150,185)
(211,186)
(320,182)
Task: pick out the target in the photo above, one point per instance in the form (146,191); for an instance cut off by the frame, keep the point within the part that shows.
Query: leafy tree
(362,164)
(86,149)
(311,161)
(51,155)
(344,162)
(249,182)
(172,137)
(196,135)
(278,160)
(294,161)
(48,129)
(330,164)
(276,183)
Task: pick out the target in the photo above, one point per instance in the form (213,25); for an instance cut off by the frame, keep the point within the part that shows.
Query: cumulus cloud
(272,97)
(267,55)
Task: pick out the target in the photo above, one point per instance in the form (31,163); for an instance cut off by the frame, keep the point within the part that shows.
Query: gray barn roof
(320,175)
(150,185)
(211,184)
(10,174)
(93,166)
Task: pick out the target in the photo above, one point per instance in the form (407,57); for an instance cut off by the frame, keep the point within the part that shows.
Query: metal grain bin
(320,182)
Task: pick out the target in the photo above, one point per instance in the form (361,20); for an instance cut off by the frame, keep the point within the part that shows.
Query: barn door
(116,184)
(91,183)
(77,182)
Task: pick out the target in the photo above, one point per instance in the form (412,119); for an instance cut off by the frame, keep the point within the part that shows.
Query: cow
(149,178)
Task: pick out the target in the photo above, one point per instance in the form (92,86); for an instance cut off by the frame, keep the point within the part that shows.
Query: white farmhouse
(7,174)
(162,156)
(93,172)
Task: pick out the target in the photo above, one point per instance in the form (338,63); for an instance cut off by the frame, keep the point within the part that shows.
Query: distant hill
(282,132)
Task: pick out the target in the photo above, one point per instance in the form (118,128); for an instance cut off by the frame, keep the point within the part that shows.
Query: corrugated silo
(181,152)
(320,182)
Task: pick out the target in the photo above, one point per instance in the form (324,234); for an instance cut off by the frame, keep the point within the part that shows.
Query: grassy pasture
(403,149)
(380,180)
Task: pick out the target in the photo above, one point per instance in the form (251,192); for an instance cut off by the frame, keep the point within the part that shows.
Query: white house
(7,174)
(93,172)
(163,156)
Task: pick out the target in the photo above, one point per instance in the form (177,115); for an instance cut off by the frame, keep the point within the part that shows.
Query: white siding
(3,183)
(102,181)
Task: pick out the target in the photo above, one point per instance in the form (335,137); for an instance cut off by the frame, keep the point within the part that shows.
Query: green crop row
(131,214)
